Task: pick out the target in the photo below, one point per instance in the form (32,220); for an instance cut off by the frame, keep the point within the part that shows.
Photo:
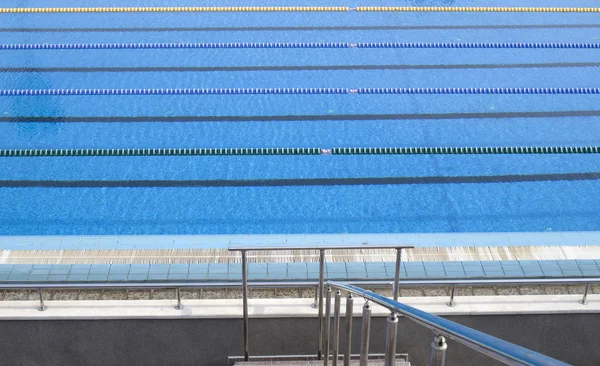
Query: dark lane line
(296,68)
(301,182)
(330,28)
(324,117)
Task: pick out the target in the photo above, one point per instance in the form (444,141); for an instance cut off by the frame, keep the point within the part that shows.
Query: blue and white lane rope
(478,150)
(194,45)
(254,91)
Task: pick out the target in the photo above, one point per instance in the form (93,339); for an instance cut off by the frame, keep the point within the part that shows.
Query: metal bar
(349,313)
(438,351)
(496,348)
(321,284)
(294,284)
(315,303)
(245,304)
(365,334)
(390,340)
(319,247)
(583,301)
(451,302)
(336,328)
(327,325)
(397,274)
(42,306)
(178,293)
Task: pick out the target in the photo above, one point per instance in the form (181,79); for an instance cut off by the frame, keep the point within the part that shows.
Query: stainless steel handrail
(321,248)
(263,248)
(498,349)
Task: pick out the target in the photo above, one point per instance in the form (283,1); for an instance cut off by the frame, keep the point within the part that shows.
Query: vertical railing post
(390,340)
(349,313)
(327,325)
(438,351)
(42,306)
(315,303)
(178,293)
(451,302)
(366,334)
(245,303)
(397,274)
(336,327)
(321,285)
(583,301)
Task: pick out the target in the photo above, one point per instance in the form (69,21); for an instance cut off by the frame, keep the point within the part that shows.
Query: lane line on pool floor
(301,182)
(294,45)
(479,150)
(300,91)
(391,117)
(297,68)
(401,9)
(292,29)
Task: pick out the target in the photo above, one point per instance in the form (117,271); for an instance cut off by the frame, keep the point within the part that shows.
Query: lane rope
(194,45)
(402,9)
(529,150)
(256,91)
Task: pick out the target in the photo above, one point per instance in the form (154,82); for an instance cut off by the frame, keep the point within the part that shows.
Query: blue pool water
(323,121)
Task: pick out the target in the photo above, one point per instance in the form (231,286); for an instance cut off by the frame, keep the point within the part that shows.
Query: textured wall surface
(208,342)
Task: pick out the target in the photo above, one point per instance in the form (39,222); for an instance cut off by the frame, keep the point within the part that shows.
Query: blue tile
(296,267)
(38,272)
(59,271)
(297,275)
(257,276)
(58,278)
(179,267)
(97,278)
(235,276)
(178,276)
(139,268)
(157,277)
(117,278)
(377,276)
(77,278)
(218,268)
(137,277)
(38,278)
(159,266)
(338,275)
(119,269)
(4,276)
(178,271)
(590,272)
(42,266)
(195,276)
(218,276)
(235,268)
(313,275)
(276,276)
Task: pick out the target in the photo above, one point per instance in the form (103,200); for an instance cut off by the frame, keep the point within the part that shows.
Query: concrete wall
(571,338)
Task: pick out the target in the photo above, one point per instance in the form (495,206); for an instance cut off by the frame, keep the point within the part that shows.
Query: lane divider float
(316,45)
(528,150)
(260,91)
(401,9)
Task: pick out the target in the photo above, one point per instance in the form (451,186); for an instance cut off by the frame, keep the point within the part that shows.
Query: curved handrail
(496,348)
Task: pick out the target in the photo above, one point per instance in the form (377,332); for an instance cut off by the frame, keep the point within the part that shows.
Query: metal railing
(244,250)
(498,349)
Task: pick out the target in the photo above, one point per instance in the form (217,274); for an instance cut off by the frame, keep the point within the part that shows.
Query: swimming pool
(540,193)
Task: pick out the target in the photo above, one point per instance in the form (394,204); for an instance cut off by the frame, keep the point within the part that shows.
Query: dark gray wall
(571,338)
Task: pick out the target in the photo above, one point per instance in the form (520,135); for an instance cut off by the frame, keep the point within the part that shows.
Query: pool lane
(299,121)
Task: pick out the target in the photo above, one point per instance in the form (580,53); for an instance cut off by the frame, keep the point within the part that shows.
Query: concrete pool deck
(429,240)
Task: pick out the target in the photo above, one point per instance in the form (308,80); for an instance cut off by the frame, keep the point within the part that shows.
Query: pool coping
(423,240)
